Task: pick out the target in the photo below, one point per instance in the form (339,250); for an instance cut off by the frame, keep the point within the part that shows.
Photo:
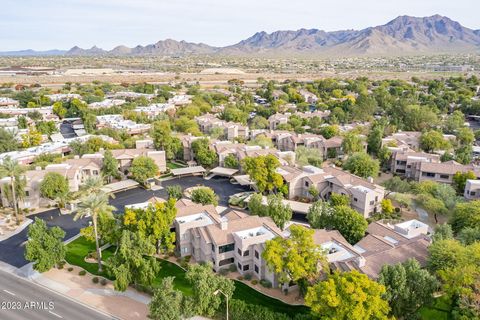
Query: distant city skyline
(55,24)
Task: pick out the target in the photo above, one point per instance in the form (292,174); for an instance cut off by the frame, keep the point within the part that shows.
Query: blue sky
(47,24)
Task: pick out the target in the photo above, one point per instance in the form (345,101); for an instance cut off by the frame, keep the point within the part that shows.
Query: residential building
(63,97)
(404,161)
(440,172)
(125,157)
(472,189)
(117,122)
(154,110)
(107,103)
(231,130)
(8,102)
(365,196)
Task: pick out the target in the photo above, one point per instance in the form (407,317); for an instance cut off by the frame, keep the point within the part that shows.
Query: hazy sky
(47,24)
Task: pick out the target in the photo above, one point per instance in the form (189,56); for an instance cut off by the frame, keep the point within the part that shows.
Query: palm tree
(11,168)
(93,205)
(92,184)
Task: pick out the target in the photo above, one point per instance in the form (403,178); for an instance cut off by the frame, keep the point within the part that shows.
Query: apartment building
(63,96)
(472,190)
(232,239)
(8,102)
(404,160)
(155,109)
(107,103)
(125,157)
(329,148)
(440,172)
(117,122)
(231,130)
(76,171)
(365,196)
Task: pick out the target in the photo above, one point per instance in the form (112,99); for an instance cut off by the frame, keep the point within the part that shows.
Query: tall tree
(317,212)
(433,140)
(133,262)
(8,142)
(92,206)
(408,287)
(166,303)
(362,165)
(204,155)
(110,166)
(352,143)
(143,168)
(351,224)
(279,212)
(262,170)
(44,246)
(205,283)
(10,168)
(296,257)
(347,295)
(54,186)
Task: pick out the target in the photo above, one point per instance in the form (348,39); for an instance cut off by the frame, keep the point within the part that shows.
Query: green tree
(231,161)
(8,142)
(408,287)
(204,155)
(174,192)
(460,180)
(163,139)
(361,164)
(387,206)
(143,168)
(433,140)
(166,303)
(204,195)
(330,131)
(10,168)
(54,186)
(337,199)
(133,262)
(110,166)
(374,139)
(296,257)
(347,295)
(259,122)
(205,283)
(255,205)
(31,139)
(442,232)
(262,170)
(44,246)
(153,223)
(59,109)
(279,212)
(262,141)
(352,143)
(351,224)
(466,215)
(317,211)
(93,205)
(308,156)
(396,184)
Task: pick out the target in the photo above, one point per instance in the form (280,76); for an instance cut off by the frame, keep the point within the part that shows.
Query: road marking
(10,293)
(55,314)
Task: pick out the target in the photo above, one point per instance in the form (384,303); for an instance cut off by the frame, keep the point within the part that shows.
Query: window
(472,193)
(256,254)
(400,171)
(185,250)
(27,193)
(239,252)
(306,184)
(213,248)
(246,267)
(409,166)
(225,261)
(246,253)
(376,198)
(226,248)
(256,268)
(239,266)
(428,174)
(355,199)
(371,203)
(444,176)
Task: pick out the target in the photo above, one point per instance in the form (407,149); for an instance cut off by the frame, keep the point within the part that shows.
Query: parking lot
(12,249)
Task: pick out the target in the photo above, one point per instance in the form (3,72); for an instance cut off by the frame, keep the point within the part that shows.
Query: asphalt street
(21,299)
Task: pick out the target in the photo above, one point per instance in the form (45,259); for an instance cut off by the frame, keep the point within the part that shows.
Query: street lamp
(226,297)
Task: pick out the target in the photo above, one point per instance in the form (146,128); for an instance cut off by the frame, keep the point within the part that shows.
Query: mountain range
(403,35)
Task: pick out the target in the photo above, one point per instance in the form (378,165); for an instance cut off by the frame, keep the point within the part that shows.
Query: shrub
(232,267)
(254,282)
(240,278)
(82,273)
(223,272)
(95,279)
(266,283)
(248,276)
(103,281)
(70,269)
(204,195)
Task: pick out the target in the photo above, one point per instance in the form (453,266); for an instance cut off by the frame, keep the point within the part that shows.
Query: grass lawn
(172,165)
(440,309)
(79,248)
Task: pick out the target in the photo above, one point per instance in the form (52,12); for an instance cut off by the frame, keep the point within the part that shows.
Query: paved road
(45,304)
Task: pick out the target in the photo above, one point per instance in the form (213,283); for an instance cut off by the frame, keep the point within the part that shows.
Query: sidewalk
(123,305)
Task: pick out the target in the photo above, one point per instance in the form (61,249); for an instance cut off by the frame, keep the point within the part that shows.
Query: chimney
(361,262)
(224,224)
